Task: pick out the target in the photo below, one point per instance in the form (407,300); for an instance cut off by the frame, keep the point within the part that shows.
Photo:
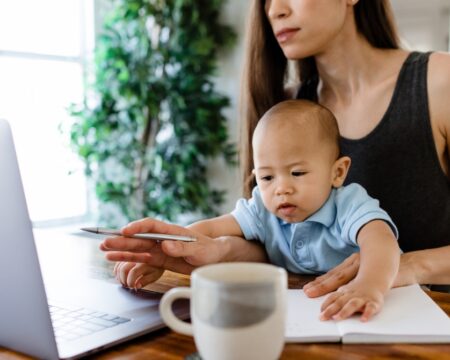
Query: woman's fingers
(149,225)
(121,270)
(136,276)
(176,256)
(142,274)
(120,243)
(124,256)
(332,280)
(204,251)
(149,278)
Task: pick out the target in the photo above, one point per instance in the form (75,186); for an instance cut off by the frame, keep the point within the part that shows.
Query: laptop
(61,320)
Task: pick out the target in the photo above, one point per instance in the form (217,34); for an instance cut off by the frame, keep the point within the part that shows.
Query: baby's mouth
(286,209)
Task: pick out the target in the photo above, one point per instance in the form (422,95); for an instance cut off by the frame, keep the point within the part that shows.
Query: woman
(394,119)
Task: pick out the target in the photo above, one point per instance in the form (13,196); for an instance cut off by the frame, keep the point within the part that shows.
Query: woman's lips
(286,34)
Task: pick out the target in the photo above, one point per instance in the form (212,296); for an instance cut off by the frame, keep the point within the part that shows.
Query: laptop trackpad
(101,295)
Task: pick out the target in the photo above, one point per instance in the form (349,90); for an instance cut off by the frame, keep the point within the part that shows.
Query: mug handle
(165,309)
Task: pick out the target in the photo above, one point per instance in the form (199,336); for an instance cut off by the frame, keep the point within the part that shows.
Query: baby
(307,220)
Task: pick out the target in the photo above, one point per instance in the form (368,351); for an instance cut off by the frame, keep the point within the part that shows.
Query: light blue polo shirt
(321,241)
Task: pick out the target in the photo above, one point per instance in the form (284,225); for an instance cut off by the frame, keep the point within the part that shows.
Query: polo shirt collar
(327,213)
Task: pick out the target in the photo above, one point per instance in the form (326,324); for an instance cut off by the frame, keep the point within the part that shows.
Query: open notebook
(408,316)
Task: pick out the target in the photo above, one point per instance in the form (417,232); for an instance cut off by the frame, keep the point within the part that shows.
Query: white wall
(423,24)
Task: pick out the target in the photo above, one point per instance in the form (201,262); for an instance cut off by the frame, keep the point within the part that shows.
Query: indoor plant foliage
(156,118)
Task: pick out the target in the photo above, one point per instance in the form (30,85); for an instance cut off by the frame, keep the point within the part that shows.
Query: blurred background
(46,48)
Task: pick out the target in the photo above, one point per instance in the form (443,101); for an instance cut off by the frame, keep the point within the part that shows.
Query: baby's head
(296,158)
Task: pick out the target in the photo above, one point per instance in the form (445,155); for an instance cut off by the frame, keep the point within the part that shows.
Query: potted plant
(154,120)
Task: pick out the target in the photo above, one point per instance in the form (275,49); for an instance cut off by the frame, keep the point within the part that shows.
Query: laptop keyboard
(73,323)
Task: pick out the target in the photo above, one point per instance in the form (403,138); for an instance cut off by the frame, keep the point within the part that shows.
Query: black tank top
(398,164)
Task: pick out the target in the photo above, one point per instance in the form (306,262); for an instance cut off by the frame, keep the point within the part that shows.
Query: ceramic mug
(237,311)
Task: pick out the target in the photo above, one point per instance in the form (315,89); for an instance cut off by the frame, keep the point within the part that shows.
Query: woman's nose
(276,9)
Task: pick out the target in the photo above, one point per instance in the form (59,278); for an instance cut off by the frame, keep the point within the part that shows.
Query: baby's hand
(136,275)
(350,299)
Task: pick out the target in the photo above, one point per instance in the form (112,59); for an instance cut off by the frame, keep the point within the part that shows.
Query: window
(43,48)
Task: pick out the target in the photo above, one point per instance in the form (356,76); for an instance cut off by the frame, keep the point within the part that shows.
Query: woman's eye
(298,173)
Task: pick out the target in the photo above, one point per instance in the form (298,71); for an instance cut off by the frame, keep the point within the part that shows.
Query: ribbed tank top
(398,164)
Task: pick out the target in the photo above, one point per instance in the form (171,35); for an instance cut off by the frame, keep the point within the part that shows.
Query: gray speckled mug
(237,309)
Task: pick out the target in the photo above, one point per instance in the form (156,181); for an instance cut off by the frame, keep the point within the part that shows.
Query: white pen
(146,236)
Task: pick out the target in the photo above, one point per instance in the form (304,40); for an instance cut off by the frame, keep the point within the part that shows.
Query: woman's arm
(431,266)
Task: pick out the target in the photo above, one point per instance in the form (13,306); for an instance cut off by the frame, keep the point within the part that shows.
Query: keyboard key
(73,322)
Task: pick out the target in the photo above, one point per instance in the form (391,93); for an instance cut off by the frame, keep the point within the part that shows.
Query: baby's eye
(298,173)
(266,178)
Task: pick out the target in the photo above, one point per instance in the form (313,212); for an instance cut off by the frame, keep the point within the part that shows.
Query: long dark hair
(266,67)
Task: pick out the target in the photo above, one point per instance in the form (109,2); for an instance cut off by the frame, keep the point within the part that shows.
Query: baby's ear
(340,171)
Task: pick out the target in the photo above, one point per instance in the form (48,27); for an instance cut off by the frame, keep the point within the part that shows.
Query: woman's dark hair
(266,67)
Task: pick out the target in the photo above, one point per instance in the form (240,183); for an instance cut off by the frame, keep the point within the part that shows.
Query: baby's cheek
(268,203)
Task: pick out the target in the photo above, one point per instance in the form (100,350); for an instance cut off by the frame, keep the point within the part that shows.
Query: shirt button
(299,244)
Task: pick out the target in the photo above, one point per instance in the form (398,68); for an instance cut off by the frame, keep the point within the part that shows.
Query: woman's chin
(292,52)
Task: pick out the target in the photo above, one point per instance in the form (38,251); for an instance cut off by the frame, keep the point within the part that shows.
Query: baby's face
(294,173)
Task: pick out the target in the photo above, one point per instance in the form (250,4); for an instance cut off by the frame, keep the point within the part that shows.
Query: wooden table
(83,255)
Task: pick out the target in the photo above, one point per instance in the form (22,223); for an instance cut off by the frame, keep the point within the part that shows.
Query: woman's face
(307,27)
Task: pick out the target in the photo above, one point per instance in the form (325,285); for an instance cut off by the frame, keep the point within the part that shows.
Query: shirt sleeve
(355,208)
(249,215)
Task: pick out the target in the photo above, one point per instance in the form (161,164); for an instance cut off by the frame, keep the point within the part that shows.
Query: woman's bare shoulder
(439,73)
(439,90)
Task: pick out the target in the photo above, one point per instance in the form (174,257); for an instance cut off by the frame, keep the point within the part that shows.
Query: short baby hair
(307,113)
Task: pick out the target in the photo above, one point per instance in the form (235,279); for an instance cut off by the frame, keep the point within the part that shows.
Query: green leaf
(156,118)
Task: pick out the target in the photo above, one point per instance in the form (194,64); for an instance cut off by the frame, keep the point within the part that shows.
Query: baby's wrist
(380,285)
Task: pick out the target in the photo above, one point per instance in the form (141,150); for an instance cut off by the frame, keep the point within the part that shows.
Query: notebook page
(408,315)
(302,321)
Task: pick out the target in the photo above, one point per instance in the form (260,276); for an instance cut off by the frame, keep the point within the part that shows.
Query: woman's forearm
(431,266)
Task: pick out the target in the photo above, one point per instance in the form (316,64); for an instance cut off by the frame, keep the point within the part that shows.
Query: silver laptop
(85,317)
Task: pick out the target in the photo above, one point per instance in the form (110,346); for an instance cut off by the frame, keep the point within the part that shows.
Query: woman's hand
(136,275)
(335,278)
(176,256)
(345,272)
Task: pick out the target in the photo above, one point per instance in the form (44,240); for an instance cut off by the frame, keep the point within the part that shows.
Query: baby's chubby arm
(224,225)
(380,259)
